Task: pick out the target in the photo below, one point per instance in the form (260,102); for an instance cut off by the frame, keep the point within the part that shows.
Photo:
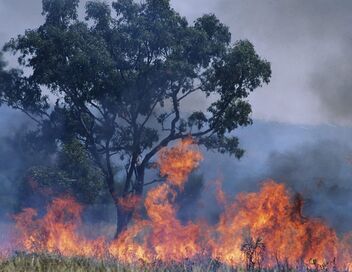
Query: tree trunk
(124,215)
(123,218)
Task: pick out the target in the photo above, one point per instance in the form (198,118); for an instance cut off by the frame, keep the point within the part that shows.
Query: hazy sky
(307,42)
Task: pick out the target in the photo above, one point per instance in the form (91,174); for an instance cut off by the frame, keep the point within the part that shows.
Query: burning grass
(264,229)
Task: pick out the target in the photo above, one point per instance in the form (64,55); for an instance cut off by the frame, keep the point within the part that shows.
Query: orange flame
(129,202)
(262,229)
(163,237)
(273,217)
(176,163)
(57,231)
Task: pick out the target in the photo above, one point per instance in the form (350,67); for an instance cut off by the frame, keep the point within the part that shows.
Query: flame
(57,231)
(171,240)
(163,237)
(264,229)
(272,216)
(177,162)
(129,202)
(220,194)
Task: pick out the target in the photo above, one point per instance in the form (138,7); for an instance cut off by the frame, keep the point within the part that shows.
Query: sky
(307,42)
(308,45)
(303,118)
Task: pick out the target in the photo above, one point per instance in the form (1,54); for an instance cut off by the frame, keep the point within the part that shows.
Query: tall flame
(163,237)
(261,229)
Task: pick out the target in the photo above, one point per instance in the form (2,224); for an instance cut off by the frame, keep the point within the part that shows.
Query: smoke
(288,21)
(315,161)
(321,172)
(15,17)
(308,44)
(11,162)
(332,83)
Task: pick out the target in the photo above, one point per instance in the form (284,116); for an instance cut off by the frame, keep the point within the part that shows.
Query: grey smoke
(315,161)
(309,45)
(12,164)
(322,174)
(332,83)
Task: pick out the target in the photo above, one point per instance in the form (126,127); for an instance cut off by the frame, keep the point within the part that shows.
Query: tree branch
(150,113)
(170,137)
(189,92)
(154,181)
(28,114)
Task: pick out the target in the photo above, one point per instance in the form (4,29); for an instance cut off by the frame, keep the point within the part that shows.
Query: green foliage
(224,145)
(84,179)
(60,12)
(20,93)
(19,152)
(72,173)
(121,77)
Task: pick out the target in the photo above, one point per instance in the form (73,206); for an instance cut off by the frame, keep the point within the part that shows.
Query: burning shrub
(253,250)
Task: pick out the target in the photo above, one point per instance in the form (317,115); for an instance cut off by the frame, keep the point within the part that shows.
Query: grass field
(51,263)
(54,263)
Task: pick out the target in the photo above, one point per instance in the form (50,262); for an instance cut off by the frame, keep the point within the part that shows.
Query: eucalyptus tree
(118,80)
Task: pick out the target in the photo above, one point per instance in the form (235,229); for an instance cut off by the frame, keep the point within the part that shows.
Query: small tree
(254,252)
(71,173)
(33,172)
(117,82)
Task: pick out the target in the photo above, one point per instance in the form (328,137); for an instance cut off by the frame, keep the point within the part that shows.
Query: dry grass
(52,263)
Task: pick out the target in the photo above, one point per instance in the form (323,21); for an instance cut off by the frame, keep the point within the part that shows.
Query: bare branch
(189,92)
(29,115)
(154,181)
(98,109)
(150,113)
(172,134)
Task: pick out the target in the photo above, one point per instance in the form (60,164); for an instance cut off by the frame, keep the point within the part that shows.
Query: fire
(271,216)
(170,239)
(163,237)
(177,162)
(129,202)
(260,229)
(57,231)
